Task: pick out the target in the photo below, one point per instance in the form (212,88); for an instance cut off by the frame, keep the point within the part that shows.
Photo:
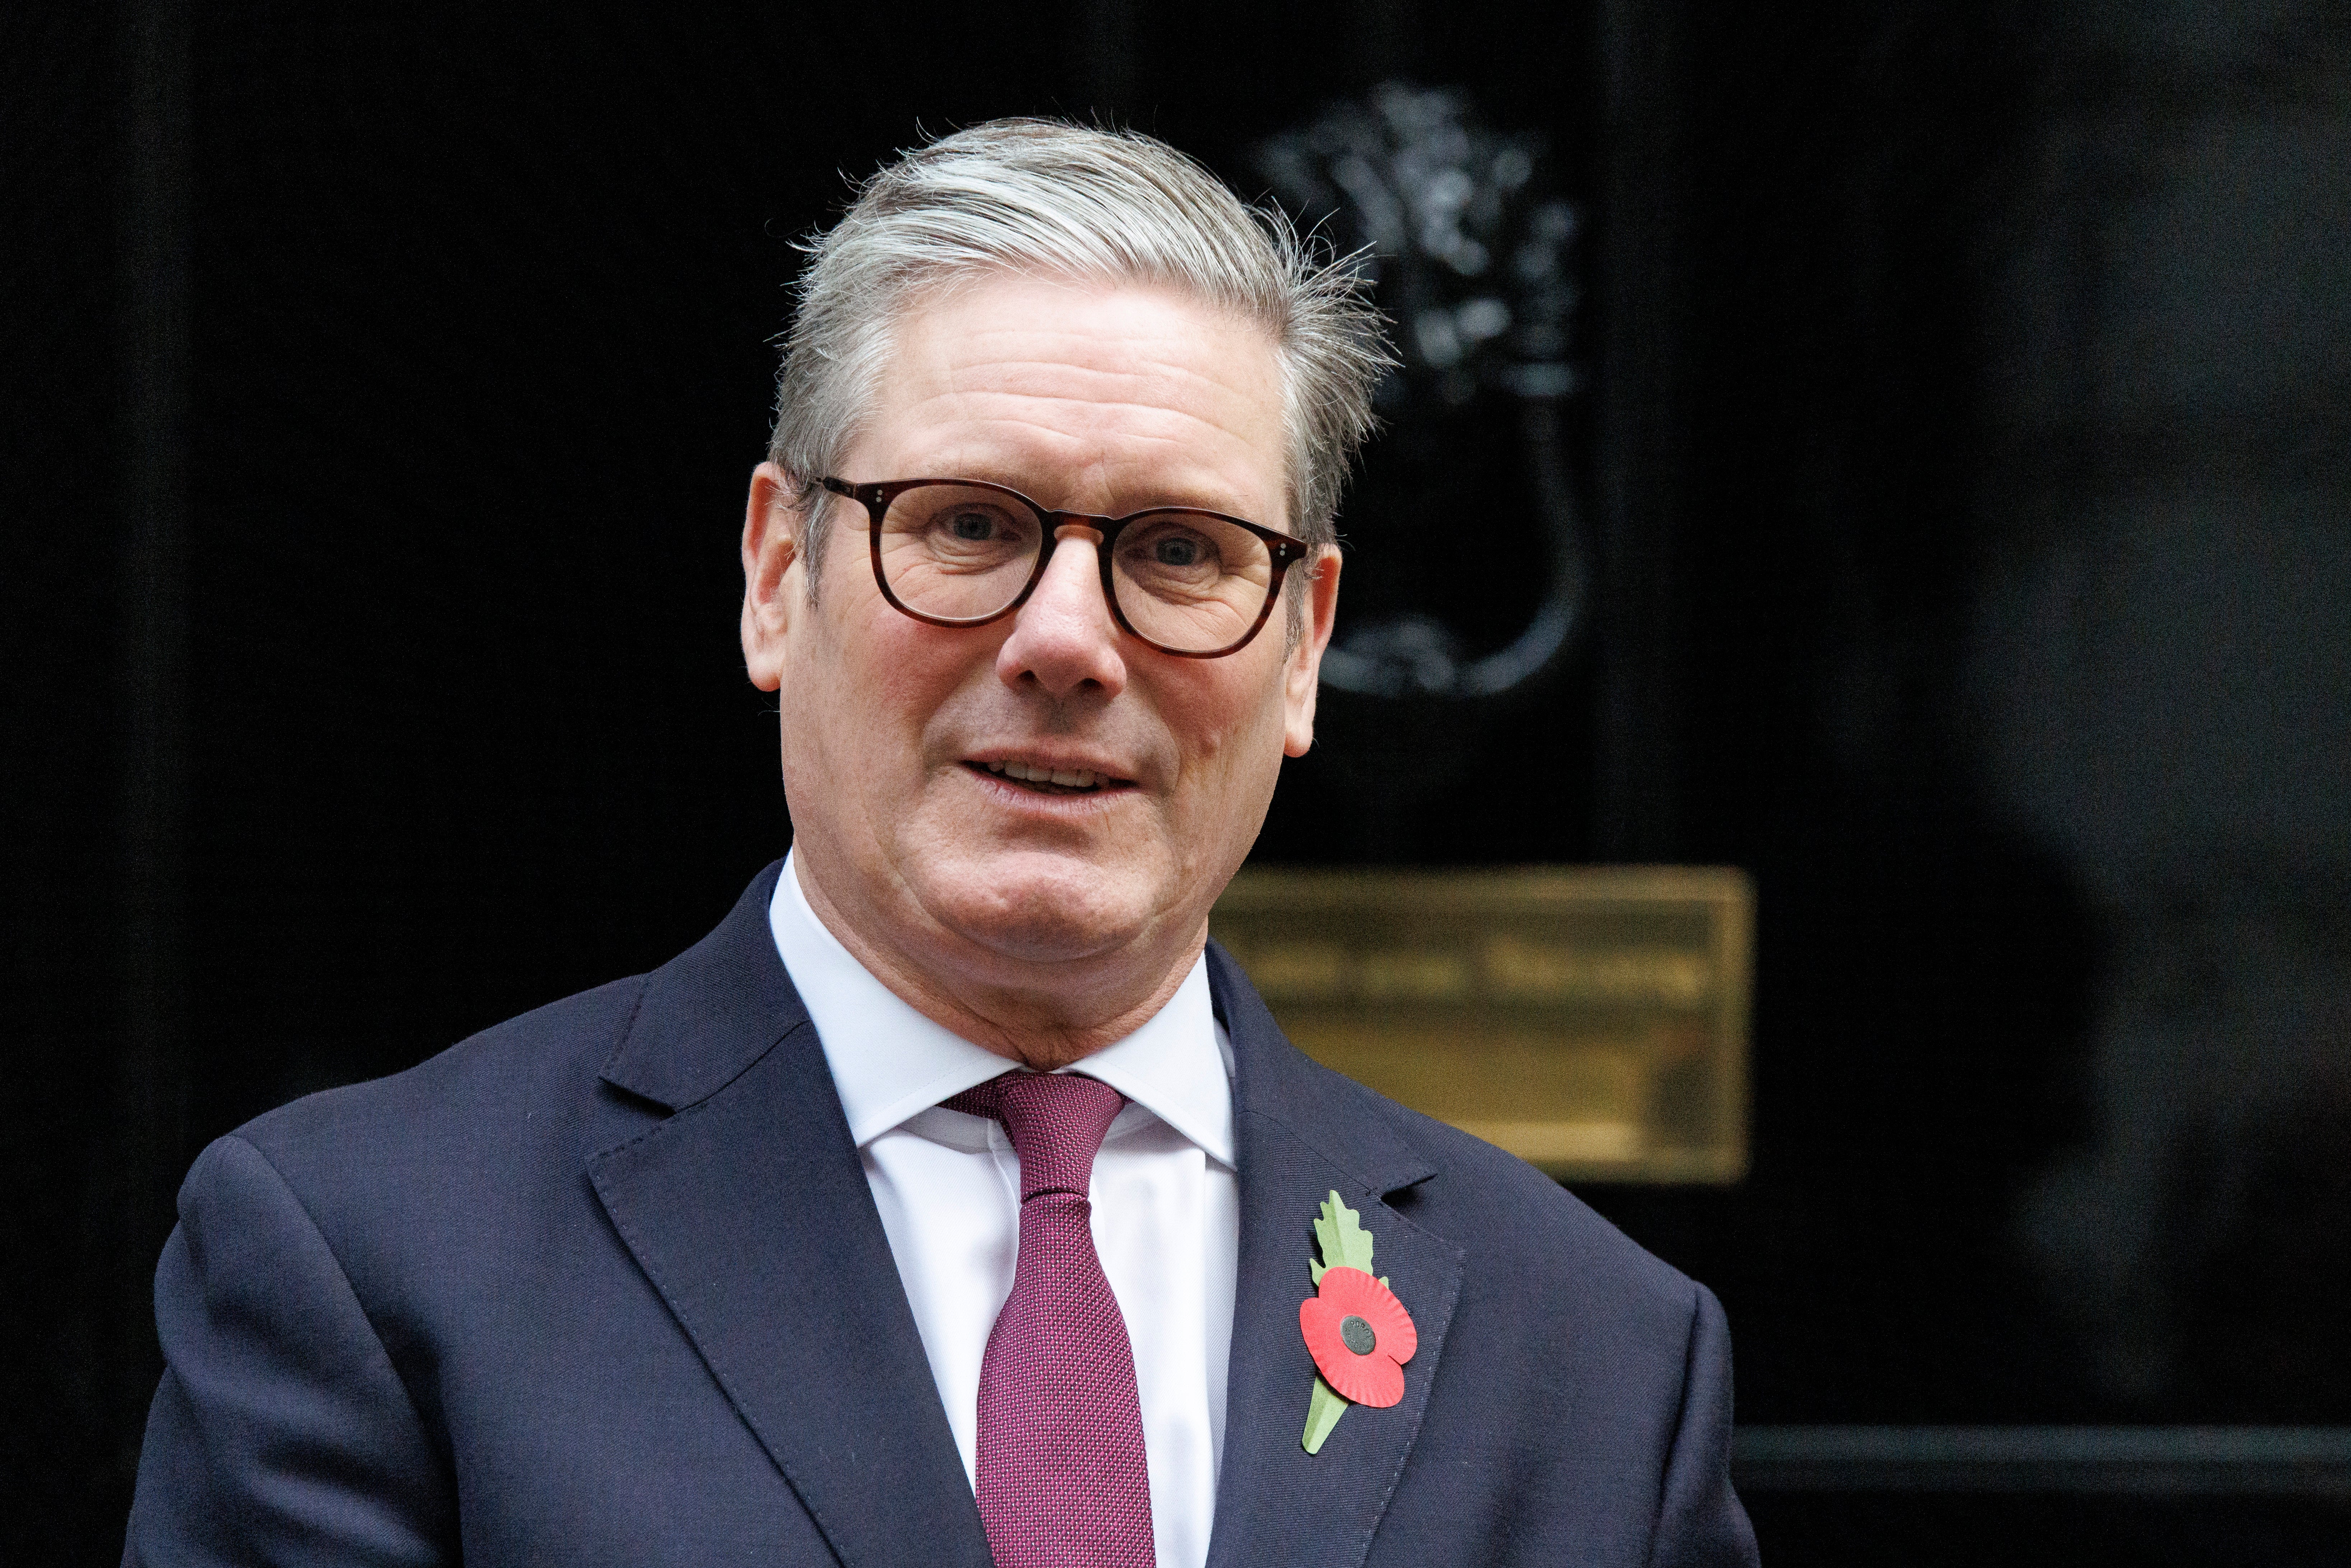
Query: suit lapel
(1303,1132)
(749,1211)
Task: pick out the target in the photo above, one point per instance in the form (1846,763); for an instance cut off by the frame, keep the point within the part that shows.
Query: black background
(477,365)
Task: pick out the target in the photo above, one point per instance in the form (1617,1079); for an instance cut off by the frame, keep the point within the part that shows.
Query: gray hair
(1043,198)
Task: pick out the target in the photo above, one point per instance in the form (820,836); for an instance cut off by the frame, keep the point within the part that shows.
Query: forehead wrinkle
(1120,351)
(1081,323)
(1112,420)
(1037,374)
(1184,446)
(1017,355)
(1043,461)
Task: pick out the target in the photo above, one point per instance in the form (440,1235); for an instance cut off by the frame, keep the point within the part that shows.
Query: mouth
(1037,779)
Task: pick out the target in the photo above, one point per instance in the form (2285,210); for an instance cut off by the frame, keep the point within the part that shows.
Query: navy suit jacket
(605,1284)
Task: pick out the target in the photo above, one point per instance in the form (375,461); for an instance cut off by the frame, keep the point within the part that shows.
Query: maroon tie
(1063,1481)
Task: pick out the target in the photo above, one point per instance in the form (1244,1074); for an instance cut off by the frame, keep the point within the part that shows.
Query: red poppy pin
(1358,1332)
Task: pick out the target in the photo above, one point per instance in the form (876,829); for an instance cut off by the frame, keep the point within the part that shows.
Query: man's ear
(771,585)
(1303,670)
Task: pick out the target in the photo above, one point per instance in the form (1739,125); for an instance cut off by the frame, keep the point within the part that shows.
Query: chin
(1043,908)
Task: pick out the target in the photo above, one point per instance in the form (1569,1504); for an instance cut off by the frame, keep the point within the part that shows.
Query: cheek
(905,684)
(871,685)
(1234,739)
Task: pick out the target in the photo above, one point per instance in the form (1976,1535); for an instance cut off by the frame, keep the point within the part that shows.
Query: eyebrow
(1013,479)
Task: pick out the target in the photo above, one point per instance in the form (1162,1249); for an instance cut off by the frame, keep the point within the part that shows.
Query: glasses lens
(1190,581)
(957,551)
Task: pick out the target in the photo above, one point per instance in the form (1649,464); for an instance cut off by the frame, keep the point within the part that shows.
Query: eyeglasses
(963,552)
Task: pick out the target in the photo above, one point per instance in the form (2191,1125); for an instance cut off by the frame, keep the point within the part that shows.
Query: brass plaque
(1591,1021)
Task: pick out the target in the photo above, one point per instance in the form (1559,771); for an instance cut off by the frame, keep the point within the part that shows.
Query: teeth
(1068,779)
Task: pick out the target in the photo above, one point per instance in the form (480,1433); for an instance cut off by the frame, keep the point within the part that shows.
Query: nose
(1063,638)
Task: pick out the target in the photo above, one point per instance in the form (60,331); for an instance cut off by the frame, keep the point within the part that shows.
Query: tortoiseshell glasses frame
(1282,552)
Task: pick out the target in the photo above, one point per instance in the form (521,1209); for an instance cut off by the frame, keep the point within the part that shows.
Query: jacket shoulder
(526,1074)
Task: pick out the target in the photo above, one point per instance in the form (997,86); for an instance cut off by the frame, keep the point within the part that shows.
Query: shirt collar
(889,1063)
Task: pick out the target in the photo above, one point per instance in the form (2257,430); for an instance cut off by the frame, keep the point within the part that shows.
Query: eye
(1177,549)
(976,526)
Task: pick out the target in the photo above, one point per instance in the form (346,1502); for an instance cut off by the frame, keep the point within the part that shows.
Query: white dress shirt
(1166,1203)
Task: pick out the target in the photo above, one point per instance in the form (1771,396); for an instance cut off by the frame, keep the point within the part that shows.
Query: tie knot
(1056,1122)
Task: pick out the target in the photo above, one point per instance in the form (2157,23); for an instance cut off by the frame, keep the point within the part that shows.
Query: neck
(1042,1015)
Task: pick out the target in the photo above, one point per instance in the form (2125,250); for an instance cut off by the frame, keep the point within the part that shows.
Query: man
(806,1248)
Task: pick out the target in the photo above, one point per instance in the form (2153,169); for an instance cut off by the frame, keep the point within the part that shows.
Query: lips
(1048,778)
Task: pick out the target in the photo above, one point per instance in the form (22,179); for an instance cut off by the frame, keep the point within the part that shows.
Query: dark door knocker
(1470,256)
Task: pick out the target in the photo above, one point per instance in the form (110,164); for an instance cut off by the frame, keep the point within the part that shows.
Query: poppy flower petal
(1388,1319)
(1372,1376)
(1381,1382)
(1360,1294)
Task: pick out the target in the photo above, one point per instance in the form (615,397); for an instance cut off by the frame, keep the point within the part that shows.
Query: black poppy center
(1357,1334)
